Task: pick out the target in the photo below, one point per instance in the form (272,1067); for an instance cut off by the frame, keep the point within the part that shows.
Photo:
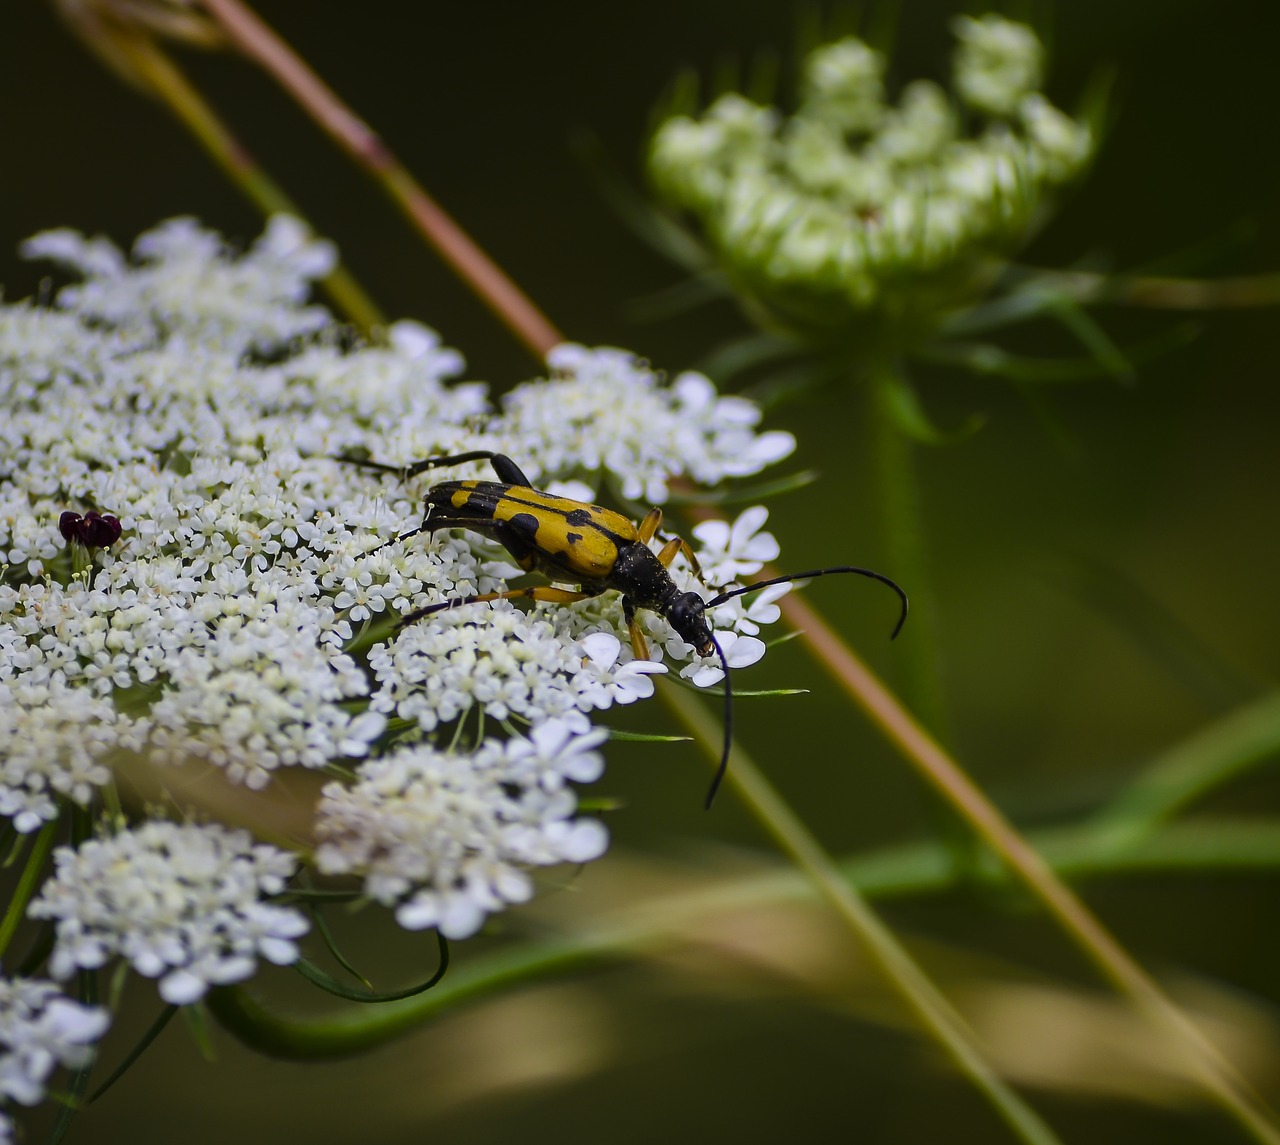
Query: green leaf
(1189,770)
(987,358)
(653,226)
(1025,302)
(641,737)
(743,693)
(322,926)
(740,354)
(910,417)
(785,638)
(313,894)
(1093,338)
(685,295)
(197,1019)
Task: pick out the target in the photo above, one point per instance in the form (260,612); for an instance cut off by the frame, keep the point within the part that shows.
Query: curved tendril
(893,584)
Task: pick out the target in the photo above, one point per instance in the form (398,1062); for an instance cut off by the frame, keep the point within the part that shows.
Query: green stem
(27,883)
(1203,1060)
(935,1014)
(905,872)
(1192,768)
(902,525)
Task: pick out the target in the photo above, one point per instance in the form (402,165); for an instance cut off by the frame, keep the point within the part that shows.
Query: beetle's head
(688,616)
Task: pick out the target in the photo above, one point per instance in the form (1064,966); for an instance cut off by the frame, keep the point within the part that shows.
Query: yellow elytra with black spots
(568,540)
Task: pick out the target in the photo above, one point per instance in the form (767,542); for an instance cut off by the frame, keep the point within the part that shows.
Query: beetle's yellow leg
(648,529)
(535,592)
(639,645)
(679,545)
(650,525)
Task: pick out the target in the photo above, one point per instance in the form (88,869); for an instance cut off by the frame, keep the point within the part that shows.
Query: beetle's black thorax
(645,583)
(639,575)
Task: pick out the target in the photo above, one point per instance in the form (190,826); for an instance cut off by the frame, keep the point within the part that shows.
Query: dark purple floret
(100,530)
(69,526)
(94,530)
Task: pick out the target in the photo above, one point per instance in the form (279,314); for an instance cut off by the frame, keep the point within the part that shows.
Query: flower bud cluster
(856,204)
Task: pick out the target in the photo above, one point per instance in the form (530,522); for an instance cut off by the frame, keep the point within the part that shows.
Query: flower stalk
(934,1013)
(486,279)
(947,778)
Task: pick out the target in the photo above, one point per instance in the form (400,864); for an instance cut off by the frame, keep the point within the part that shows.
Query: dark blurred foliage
(1106,556)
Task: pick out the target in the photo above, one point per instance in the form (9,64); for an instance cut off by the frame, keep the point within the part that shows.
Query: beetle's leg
(648,529)
(365,463)
(680,545)
(651,524)
(506,469)
(639,645)
(427,526)
(534,592)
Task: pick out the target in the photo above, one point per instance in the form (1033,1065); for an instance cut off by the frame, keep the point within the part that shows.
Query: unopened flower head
(193,579)
(855,205)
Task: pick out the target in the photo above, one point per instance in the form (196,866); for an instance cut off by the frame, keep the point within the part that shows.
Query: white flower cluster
(40,1029)
(605,412)
(450,837)
(185,283)
(235,601)
(179,902)
(851,197)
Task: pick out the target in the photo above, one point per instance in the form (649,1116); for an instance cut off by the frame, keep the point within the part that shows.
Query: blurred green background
(1051,546)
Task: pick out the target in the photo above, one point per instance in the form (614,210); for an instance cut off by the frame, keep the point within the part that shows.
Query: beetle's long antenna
(902,596)
(728,726)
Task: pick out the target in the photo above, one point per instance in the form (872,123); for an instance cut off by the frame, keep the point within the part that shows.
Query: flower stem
(932,1009)
(165,81)
(1244,291)
(515,309)
(900,872)
(31,873)
(898,496)
(1111,960)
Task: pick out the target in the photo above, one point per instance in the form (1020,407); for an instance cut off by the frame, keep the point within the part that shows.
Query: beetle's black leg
(534,592)
(506,469)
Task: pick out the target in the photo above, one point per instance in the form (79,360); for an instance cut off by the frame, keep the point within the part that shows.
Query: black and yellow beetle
(587,545)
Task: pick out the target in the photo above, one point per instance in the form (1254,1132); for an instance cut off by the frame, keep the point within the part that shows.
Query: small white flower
(553,753)
(603,684)
(732,551)
(739,651)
